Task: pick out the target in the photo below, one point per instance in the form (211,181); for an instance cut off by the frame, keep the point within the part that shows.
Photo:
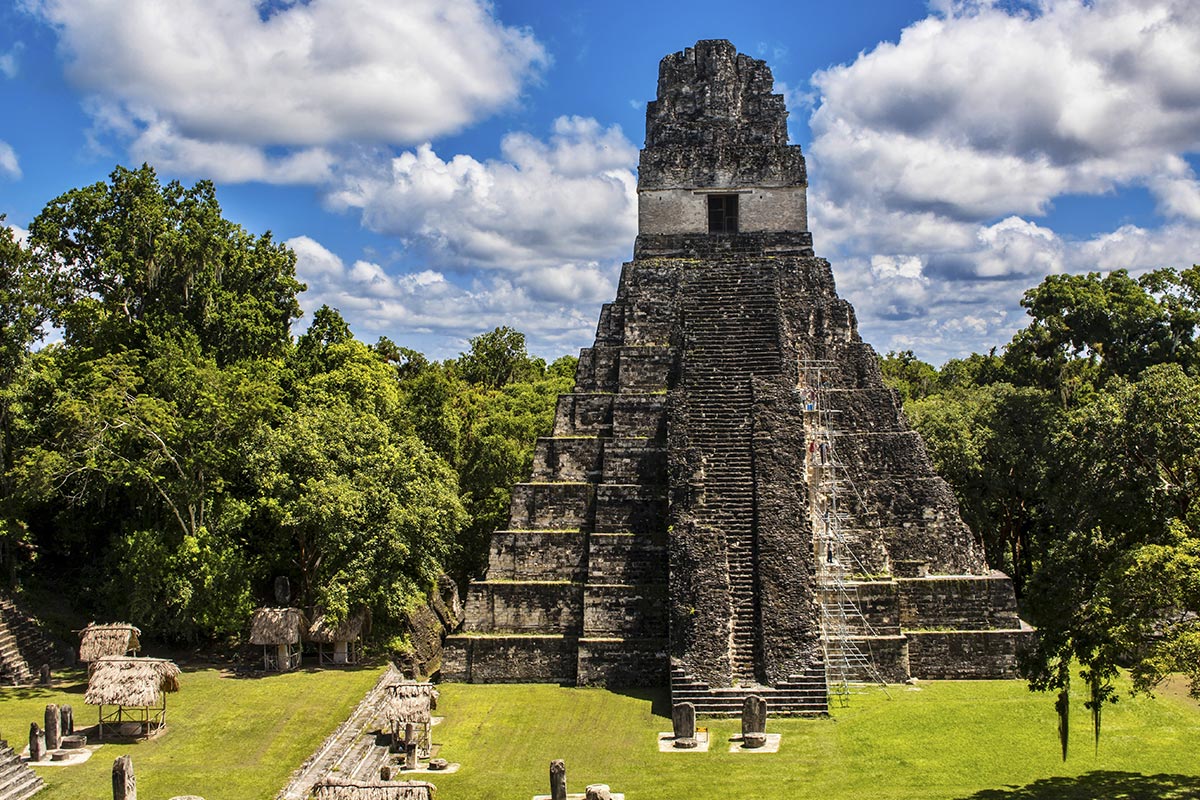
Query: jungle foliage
(1075,454)
(175,448)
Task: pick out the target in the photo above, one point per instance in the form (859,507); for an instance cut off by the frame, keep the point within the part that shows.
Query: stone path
(351,749)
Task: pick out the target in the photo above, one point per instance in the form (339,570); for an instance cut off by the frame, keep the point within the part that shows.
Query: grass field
(227,738)
(948,740)
(238,739)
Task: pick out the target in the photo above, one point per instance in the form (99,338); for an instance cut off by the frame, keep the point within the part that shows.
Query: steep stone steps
(24,647)
(18,781)
(800,695)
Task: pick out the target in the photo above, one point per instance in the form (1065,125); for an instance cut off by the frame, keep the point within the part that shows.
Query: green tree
(135,257)
(497,358)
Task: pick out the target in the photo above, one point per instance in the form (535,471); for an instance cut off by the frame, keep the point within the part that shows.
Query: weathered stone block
(566,458)
(635,460)
(524,607)
(510,659)
(639,415)
(630,508)
(962,655)
(631,558)
(638,610)
(583,414)
(972,602)
(622,662)
(538,555)
(644,368)
(558,506)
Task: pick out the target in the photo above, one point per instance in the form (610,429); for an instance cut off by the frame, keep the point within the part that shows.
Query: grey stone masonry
(668,531)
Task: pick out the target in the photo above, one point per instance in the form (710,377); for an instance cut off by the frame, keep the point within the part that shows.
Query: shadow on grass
(659,697)
(1100,785)
(36,692)
(251,672)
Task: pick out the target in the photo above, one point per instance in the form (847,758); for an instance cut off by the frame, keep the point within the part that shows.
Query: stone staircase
(351,751)
(802,695)
(731,334)
(24,647)
(17,779)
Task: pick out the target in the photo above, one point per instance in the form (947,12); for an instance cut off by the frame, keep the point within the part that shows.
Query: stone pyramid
(677,525)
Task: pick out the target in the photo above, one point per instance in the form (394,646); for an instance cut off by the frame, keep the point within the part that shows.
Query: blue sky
(445,166)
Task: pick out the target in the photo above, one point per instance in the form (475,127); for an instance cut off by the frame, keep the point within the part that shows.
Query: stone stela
(671,530)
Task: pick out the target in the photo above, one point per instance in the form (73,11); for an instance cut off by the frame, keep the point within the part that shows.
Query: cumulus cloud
(570,198)
(10,166)
(934,155)
(554,306)
(198,78)
(9,64)
(985,111)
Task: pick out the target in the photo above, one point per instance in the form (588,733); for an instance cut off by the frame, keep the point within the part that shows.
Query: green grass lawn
(227,738)
(238,739)
(974,740)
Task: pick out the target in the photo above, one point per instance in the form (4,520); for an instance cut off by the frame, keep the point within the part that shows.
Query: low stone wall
(644,368)
(623,662)
(571,458)
(958,602)
(627,558)
(524,607)
(538,555)
(583,414)
(890,655)
(510,659)
(562,506)
(961,655)
(634,460)
(628,508)
(638,415)
(625,611)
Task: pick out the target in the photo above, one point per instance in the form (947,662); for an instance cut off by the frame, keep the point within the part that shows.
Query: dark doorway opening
(722,213)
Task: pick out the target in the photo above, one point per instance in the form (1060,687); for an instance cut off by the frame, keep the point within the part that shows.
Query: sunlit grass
(227,738)
(238,739)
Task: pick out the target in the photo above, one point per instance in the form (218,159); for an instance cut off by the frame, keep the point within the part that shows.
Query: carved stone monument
(676,524)
(124,784)
(66,720)
(683,721)
(754,722)
(53,727)
(37,742)
(558,780)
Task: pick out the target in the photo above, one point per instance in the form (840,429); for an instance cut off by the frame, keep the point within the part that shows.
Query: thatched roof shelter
(131,682)
(405,703)
(344,789)
(351,630)
(277,626)
(111,639)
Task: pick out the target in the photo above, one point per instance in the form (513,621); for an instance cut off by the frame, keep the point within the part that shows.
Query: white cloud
(984,112)
(933,155)
(555,307)
(10,166)
(9,64)
(197,78)
(569,199)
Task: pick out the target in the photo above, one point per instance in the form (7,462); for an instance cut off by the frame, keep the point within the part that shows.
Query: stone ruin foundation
(671,530)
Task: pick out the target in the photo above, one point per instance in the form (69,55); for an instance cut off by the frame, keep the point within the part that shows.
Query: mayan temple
(731,500)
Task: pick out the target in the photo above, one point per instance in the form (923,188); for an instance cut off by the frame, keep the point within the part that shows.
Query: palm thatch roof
(408,702)
(134,682)
(344,789)
(349,631)
(110,639)
(277,626)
